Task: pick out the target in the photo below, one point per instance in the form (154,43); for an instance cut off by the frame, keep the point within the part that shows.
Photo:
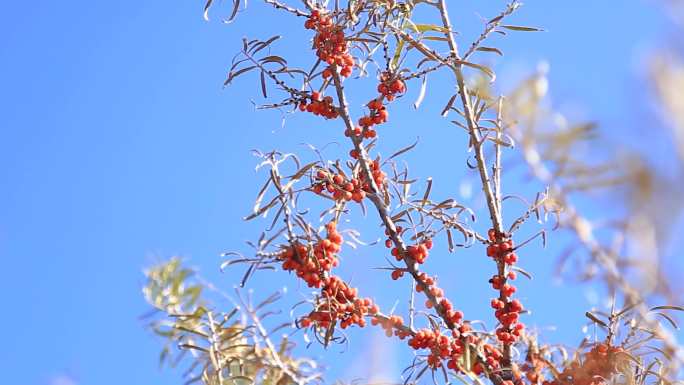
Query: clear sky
(119,147)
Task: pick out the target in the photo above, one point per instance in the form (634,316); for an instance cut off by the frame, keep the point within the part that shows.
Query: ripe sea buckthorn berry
(497,304)
(508,289)
(396,274)
(511,259)
(515,305)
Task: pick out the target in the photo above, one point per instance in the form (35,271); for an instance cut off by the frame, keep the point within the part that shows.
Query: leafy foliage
(219,347)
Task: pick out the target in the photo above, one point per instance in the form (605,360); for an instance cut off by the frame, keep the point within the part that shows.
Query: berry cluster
(418,252)
(451,349)
(441,346)
(361,180)
(339,302)
(312,267)
(501,251)
(345,188)
(319,106)
(365,133)
(377,112)
(376,173)
(330,43)
(599,365)
(534,366)
(507,311)
(390,87)
(393,325)
(341,188)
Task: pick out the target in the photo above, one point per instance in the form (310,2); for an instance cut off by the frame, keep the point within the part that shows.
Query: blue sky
(119,148)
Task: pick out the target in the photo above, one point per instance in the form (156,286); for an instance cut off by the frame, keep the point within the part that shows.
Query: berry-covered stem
(492,196)
(376,199)
(441,307)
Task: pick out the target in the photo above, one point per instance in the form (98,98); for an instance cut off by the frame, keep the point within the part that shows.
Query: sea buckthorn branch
(312,253)
(251,311)
(381,207)
(439,212)
(473,127)
(491,26)
(313,261)
(339,302)
(248,51)
(410,255)
(506,310)
(442,346)
(421,73)
(401,251)
(475,45)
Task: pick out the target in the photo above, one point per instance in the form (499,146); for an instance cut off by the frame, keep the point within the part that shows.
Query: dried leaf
(421,94)
(427,192)
(236,7)
(273,59)
(263,85)
(669,319)
(448,106)
(490,49)
(523,272)
(264,44)
(233,75)
(520,28)
(403,150)
(261,210)
(450,239)
(480,67)
(667,307)
(595,319)
(206,9)
(261,194)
